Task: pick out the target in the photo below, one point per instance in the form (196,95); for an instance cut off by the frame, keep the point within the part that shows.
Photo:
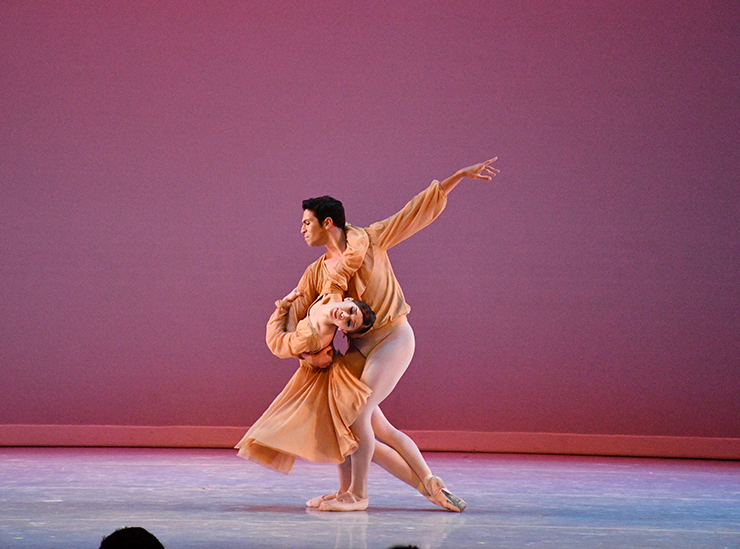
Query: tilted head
(352,316)
(368,317)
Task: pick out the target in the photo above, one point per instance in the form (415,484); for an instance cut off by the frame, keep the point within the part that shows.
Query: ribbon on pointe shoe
(340,505)
(315,502)
(440,495)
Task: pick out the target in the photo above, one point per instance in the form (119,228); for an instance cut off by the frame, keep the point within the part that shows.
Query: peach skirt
(310,418)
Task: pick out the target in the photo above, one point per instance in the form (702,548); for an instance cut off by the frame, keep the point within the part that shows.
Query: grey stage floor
(71,498)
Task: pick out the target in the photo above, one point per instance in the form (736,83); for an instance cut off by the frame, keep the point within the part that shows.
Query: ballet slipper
(440,495)
(341,505)
(315,502)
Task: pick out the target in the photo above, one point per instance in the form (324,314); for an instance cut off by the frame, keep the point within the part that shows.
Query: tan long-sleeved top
(373,280)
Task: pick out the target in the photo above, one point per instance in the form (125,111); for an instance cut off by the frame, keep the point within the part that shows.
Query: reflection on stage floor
(71,498)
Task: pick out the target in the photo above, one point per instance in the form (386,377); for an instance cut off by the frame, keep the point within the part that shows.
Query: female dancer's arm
(284,343)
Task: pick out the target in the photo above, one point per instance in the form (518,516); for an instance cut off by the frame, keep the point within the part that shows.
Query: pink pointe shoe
(345,502)
(440,495)
(316,502)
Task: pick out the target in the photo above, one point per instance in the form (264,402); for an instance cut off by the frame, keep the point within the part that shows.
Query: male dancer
(366,273)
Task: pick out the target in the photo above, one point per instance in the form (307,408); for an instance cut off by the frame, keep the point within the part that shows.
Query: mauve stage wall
(154,156)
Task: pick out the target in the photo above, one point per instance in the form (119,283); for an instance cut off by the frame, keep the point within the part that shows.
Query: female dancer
(311,416)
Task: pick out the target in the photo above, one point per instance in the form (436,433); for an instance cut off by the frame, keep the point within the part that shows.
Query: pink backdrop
(154,156)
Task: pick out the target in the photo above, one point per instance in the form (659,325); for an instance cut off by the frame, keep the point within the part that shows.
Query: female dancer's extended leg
(403,455)
(400,442)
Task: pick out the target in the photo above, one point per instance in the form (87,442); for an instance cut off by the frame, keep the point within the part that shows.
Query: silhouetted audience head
(132,537)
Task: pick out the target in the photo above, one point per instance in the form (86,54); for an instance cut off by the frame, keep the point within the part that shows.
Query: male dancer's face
(313,232)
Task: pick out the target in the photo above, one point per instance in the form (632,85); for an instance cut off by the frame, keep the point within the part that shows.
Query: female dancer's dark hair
(368,317)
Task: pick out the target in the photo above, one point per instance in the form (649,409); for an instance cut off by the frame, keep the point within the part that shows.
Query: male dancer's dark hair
(326,206)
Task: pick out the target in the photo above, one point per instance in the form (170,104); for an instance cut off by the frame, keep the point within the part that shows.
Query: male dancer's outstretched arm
(424,208)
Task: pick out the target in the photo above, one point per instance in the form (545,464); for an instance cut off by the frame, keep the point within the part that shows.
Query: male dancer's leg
(393,462)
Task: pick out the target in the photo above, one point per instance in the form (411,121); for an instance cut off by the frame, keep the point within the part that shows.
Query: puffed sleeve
(338,281)
(414,216)
(308,286)
(287,344)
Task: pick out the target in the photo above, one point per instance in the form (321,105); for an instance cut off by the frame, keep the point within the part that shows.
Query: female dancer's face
(346,316)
